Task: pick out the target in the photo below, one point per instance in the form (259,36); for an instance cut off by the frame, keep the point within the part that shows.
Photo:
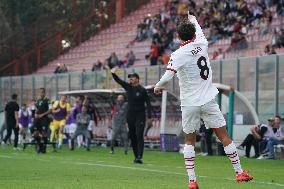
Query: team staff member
(137,97)
(61,112)
(12,121)
(119,127)
(41,121)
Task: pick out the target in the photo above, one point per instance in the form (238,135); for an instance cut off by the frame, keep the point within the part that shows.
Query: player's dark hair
(186,30)
(277,116)
(42,89)
(14,96)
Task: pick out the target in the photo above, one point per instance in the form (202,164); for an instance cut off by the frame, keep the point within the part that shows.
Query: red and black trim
(186,42)
(172,70)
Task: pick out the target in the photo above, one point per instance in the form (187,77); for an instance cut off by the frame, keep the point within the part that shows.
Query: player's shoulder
(178,54)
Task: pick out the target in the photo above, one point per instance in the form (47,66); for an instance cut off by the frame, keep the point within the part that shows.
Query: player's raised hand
(190,16)
(113,70)
(158,90)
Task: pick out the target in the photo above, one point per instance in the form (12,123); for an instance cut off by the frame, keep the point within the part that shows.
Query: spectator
(280,8)
(61,68)
(64,69)
(277,139)
(57,69)
(175,43)
(269,50)
(130,59)
(113,60)
(259,135)
(97,66)
(238,42)
(154,54)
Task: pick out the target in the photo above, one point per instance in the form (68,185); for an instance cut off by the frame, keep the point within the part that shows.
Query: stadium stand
(118,36)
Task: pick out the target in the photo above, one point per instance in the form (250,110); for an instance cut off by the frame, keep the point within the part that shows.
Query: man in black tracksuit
(137,97)
(12,121)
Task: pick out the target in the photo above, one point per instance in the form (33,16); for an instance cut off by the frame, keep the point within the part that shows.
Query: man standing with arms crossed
(137,97)
(197,95)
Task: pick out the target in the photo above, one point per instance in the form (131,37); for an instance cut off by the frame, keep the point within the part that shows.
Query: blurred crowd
(226,19)
(113,61)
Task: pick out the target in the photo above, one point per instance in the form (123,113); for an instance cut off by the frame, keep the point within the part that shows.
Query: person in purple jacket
(24,121)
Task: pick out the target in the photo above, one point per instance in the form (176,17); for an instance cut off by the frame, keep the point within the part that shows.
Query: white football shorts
(209,112)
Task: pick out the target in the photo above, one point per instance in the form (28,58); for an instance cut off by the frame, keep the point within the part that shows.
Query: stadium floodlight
(65,43)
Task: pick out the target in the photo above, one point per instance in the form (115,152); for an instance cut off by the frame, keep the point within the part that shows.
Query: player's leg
(140,126)
(113,138)
(60,135)
(21,133)
(124,138)
(213,118)
(9,132)
(190,123)
(132,134)
(76,134)
(53,127)
(16,135)
(87,135)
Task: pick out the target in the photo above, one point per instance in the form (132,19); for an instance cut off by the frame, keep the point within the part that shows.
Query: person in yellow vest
(61,112)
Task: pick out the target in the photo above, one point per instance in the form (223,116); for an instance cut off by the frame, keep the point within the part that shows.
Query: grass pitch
(98,169)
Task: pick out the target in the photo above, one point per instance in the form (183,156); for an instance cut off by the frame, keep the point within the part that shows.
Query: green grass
(98,169)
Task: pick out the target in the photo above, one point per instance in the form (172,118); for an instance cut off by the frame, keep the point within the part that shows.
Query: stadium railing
(258,78)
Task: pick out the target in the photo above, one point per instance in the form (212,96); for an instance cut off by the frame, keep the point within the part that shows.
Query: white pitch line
(147,170)
(168,172)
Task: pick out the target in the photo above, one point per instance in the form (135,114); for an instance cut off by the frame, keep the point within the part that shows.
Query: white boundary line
(144,169)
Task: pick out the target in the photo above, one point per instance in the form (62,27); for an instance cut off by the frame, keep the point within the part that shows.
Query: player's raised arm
(174,64)
(199,33)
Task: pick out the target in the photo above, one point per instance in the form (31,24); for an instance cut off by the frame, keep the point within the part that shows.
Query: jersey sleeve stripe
(172,70)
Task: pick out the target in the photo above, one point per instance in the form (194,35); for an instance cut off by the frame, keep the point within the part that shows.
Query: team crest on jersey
(170,62)
(137,94)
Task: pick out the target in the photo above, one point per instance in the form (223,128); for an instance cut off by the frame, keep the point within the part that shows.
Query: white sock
(20,139)
(231,152)
(189,156)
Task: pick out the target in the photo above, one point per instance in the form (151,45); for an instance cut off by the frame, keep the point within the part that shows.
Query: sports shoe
(193,185)
(3,144)
(16,148)
(263,156)
(244,176)
(138,161)
(240,148)
(111,152)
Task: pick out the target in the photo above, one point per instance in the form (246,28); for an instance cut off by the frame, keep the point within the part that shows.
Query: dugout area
(166,129)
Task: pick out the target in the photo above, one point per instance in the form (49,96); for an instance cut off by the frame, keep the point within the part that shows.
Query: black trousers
(12,126)
(136,125)
(208,139)
(251,141)
(40,133)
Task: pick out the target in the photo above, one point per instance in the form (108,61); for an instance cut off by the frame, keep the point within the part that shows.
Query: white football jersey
(192,65)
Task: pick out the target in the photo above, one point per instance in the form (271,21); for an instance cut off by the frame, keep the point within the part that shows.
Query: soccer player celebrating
(197,95)
(61,112)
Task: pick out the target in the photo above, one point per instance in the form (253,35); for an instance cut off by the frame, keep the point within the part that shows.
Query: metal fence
(260,79)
